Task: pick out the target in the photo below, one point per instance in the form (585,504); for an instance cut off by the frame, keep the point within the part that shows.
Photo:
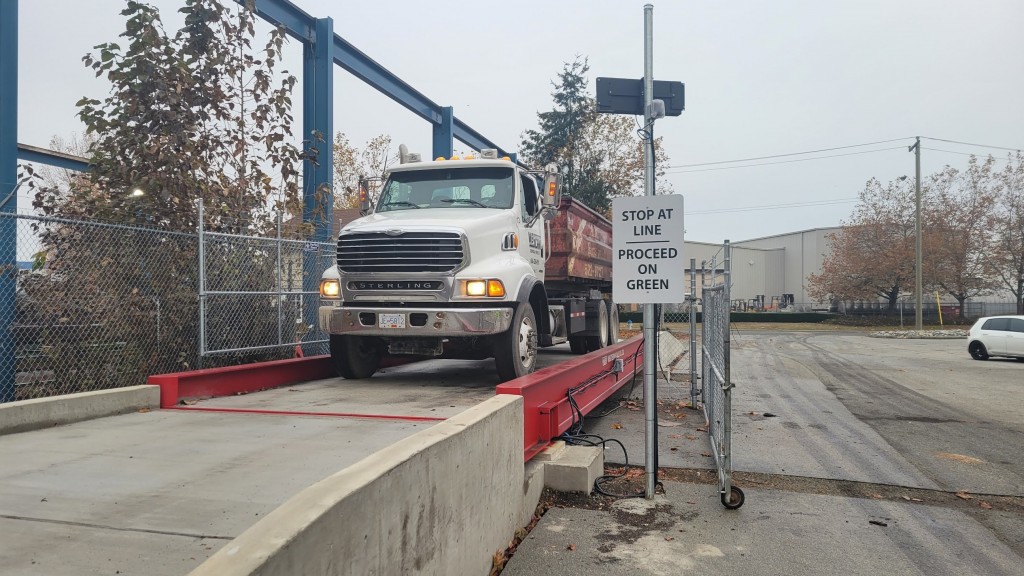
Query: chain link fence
(715,371)
(100,306)
(260,294)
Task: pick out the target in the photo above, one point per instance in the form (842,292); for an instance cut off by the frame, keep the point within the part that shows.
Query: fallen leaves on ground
(964,495)
(878,496)
(910,499)
(571,547)
(985,505)
(616,426)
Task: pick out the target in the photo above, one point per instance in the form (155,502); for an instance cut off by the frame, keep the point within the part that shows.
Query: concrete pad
(689,532)
(37,413)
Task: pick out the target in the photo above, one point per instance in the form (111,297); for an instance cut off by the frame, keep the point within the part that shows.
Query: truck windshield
(448,188)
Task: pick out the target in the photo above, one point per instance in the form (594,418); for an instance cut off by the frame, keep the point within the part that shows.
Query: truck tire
(613,322)
(578,344)
(515,350)
(601,339)
(355,357)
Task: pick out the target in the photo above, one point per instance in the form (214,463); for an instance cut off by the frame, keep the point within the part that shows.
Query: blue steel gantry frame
(321,46)
(8,184)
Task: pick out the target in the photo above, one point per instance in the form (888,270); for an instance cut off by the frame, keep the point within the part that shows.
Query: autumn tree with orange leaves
(972,237)
(872,255)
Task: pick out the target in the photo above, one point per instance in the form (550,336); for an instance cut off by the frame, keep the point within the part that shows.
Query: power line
(778,206)
(964,153)
(970,144)
(788,154)
(781,161)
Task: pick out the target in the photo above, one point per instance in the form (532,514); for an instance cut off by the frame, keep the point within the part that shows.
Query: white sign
(647,247)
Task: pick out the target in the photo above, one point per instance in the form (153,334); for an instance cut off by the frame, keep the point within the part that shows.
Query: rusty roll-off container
(581,249)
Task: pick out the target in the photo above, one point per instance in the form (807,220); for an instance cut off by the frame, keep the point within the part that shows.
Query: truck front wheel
(355,357)
(515,350)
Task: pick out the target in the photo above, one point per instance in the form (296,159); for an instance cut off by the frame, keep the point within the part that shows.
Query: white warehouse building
(769,272)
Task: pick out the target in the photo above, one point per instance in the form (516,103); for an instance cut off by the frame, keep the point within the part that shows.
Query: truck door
(531,243)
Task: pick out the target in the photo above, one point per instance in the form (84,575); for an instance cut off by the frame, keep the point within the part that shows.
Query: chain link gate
(252,295)
(717,392)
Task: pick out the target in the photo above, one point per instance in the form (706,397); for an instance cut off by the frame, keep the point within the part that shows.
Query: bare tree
(957,233)
(351,163)
(1006,263)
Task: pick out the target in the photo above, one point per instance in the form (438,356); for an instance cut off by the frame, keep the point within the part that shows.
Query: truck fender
(532,291)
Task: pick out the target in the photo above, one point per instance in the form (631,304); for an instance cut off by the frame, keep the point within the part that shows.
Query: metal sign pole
(650,336)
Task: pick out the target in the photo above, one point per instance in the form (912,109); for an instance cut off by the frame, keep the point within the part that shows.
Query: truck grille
(408,252)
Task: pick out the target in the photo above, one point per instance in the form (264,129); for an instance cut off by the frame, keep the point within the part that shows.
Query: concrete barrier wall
(440,502)
(25,415)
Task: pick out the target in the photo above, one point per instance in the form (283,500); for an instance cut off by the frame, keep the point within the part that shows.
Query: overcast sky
(762,79)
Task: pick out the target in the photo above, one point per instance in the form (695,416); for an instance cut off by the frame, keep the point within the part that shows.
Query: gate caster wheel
(734,499)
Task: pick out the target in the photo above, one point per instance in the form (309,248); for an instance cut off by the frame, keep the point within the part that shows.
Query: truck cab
(448,262)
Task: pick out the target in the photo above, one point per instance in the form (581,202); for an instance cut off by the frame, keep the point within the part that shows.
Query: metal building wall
(803,254)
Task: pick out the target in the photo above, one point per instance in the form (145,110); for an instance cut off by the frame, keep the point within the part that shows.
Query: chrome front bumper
(418,321)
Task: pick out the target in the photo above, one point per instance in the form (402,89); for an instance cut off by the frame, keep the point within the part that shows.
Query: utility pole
(650,335)
(916,148)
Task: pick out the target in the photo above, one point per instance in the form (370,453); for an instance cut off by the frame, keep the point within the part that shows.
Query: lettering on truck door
(531,242)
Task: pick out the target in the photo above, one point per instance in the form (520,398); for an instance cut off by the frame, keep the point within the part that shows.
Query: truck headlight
(330,288)
(492,288)
(476,287)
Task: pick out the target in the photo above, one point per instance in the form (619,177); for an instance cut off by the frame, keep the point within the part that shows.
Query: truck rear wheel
(613,322)
(355,357)
(578,344)
(515,350)
(601,339)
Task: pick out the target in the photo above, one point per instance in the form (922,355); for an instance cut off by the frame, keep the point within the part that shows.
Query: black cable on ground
(575,436)
(595,440)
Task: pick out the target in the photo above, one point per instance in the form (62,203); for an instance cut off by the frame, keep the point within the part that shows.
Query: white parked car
(997,336)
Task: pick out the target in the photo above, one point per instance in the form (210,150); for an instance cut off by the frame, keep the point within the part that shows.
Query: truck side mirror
(364,196)
(552,193)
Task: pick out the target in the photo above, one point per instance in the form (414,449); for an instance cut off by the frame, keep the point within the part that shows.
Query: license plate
(391,320)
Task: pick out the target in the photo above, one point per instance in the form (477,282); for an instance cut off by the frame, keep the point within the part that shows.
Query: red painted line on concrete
(302,413)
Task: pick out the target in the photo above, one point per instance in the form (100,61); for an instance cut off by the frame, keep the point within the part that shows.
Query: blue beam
(51,158)
(476,140)
(444,133)
(318,174)
(383,80)
(296,22)
(300,25)
(317,118)
(8,185)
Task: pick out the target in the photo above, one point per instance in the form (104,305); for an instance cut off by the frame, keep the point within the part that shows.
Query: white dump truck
(471,258)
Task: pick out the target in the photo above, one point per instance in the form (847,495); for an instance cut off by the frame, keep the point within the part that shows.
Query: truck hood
(470,220)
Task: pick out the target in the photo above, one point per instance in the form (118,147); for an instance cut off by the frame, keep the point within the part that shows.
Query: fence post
(202,283)
(8,188)
(693,333)
(726,370)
